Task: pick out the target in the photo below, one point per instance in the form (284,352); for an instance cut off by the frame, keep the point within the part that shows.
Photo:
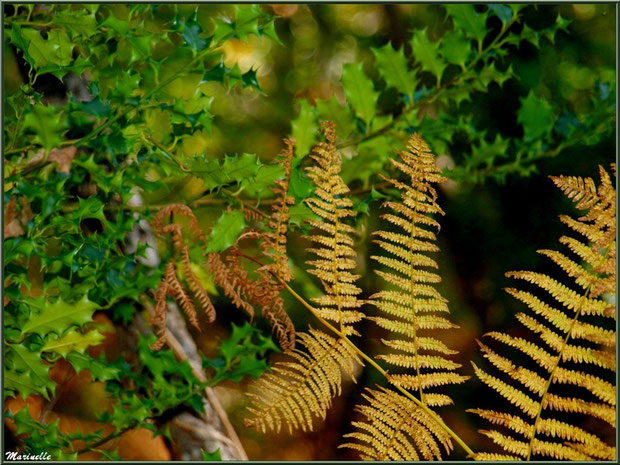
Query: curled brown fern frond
(396,429)
(578,342)
(171,284)
(274,242)
(233,279)
(301,389)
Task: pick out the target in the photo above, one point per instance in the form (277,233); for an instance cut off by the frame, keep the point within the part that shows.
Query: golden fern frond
(301,389)
(414,305)
(397,429)
(334,251)
(575,347)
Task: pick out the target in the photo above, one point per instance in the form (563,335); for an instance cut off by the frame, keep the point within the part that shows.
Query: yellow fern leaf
(333,242)
(576,340)
(414,305)
(396,429)
(301,389)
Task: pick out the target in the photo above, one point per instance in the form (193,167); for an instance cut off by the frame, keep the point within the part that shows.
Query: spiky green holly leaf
(425,53)
(259,186)
(45,122)
(487,152)
(360,92)
(394,69)
(467,18)
(455,48)
(333,110)
(72,341)
(503,12)
(233,169)
(226,230)
(304,129)
(80,22)
(242,354)
(25,372)
(58,316)
(192,34)
(53,46)
(100,369)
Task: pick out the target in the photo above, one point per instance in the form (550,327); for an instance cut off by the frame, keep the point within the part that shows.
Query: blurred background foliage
(502,102)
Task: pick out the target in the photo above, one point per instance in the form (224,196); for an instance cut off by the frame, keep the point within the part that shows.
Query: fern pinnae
(302,388)
(406,428)
(568,338)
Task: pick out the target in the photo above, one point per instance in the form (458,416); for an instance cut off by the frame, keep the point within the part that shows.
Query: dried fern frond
(171,284)
(274,242)
(575,347)
(333,242)
(414,306)
(397,429)
(232,277)
(302,388)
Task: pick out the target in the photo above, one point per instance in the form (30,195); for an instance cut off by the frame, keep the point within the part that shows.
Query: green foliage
(137,124)
(212,456)
(242,354)
(443,79)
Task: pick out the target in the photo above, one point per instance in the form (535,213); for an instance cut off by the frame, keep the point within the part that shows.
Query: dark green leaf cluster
(242,354)
(443,78)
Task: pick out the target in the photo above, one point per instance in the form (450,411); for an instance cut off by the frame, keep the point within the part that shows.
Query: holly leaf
(300,185)
(455,48)
(231,170)
(72,341)
(53,46)
(26,373)
(242,354)
(536,116)
(425,53)
(304,129)
(100,369)
(226,230)
(467,18)
(44,121)
(394,70)
(503,12)
(216,455)
(258,186)
(333,110)
(76,22)
(360,92)
(191,34)
(58,316)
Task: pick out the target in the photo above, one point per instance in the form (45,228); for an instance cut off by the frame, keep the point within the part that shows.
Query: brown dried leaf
(63,158)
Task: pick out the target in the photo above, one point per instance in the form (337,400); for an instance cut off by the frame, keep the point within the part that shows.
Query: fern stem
(366,357)
(412,301)
(557,363)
